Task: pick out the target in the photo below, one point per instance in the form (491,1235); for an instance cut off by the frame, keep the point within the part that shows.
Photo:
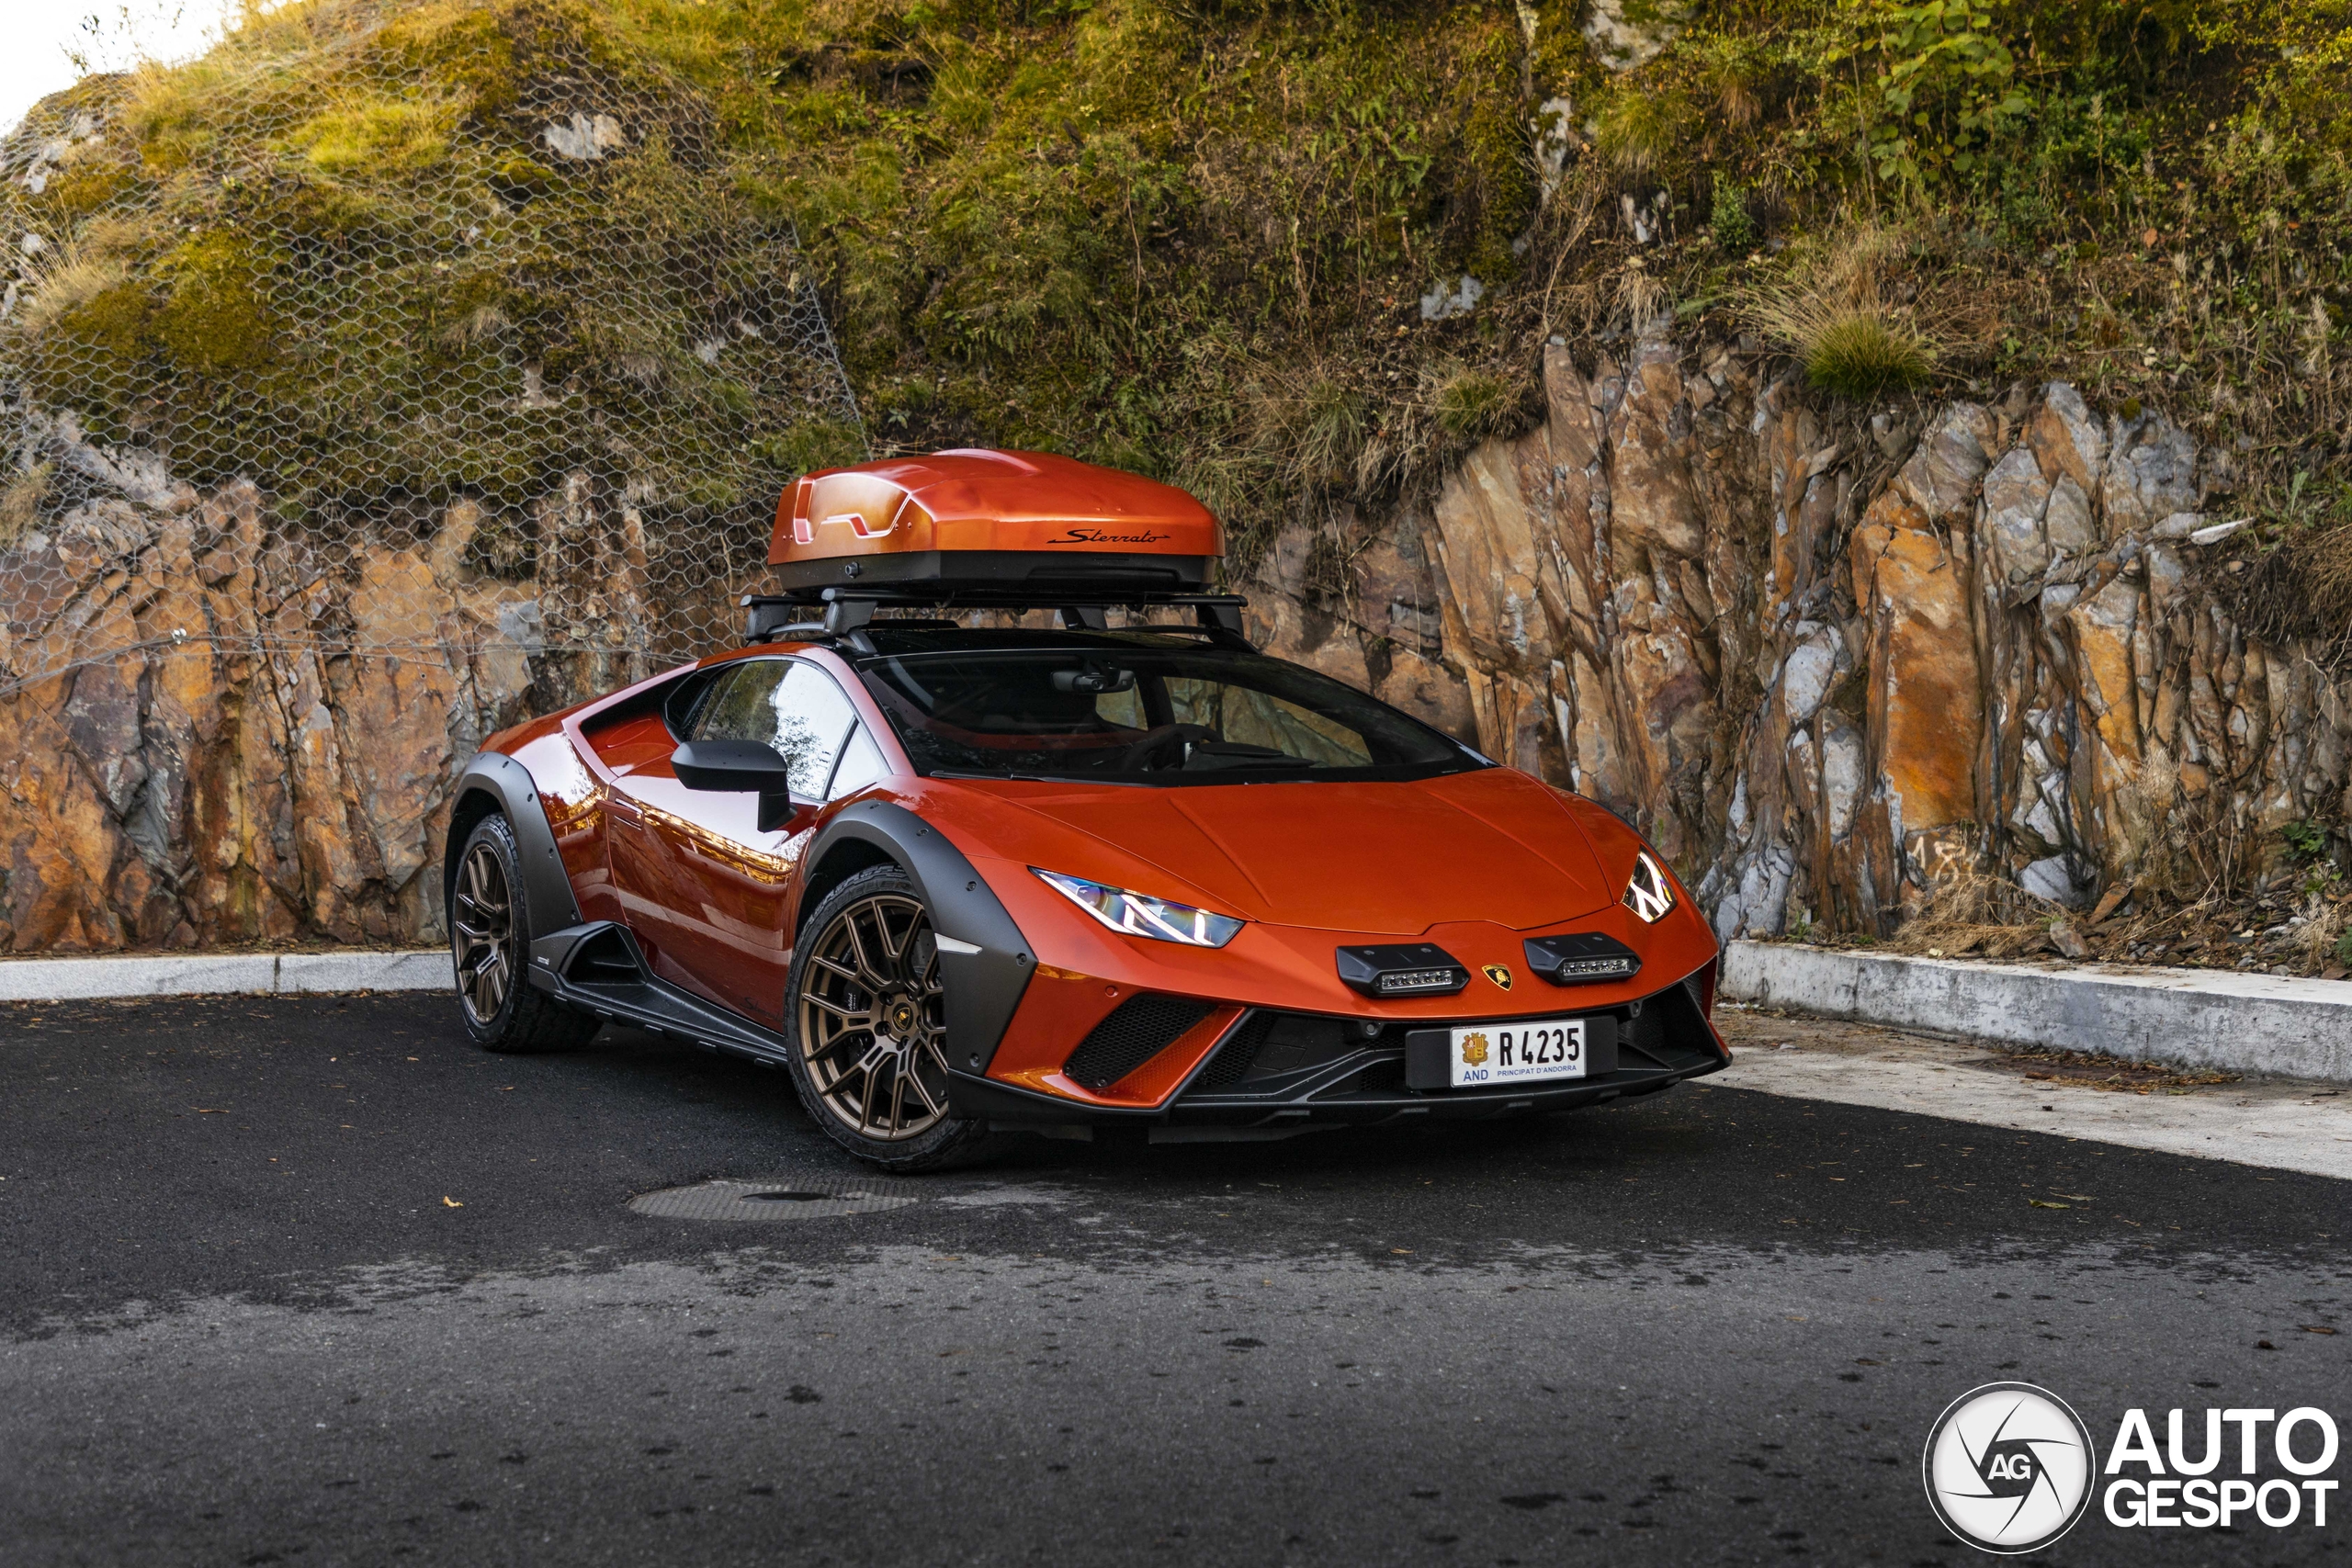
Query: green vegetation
(1194,236)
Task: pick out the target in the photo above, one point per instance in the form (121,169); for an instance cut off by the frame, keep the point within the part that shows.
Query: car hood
(1384,859)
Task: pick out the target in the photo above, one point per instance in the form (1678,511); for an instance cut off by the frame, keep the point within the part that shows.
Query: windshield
(1145,715)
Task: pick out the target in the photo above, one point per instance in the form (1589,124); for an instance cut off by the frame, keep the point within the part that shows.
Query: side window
(741,704)
(795,707)
(861,765)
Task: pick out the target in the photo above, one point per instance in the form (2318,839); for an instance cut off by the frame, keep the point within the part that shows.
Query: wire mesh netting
(391,373)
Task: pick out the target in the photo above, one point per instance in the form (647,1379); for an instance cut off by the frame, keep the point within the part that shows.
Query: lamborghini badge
(1498,974)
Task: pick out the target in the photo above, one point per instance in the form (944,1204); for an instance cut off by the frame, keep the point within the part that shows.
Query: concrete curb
(2198,1018)
(83,979)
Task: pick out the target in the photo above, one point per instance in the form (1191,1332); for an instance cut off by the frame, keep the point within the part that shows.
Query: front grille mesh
(1136,1029)
(1240,1049)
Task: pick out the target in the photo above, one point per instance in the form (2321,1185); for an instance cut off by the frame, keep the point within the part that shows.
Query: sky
(40,37)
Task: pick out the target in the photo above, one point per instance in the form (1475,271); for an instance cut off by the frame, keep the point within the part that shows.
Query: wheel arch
(493,783)
(988,969)
(843,859)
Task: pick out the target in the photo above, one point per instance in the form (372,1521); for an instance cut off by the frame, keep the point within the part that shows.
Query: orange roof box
(991,522)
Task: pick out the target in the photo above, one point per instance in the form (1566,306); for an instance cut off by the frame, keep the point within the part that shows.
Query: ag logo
(1498,974)
(2009,1467)
(1474,1050)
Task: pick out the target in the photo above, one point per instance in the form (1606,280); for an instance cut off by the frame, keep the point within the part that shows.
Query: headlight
(1647,892)
(1138,916)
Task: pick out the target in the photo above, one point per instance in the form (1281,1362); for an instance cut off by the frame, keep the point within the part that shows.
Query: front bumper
(1273,1074)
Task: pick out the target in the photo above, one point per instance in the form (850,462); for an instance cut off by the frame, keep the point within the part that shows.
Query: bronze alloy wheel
(872,1024)
(482,933)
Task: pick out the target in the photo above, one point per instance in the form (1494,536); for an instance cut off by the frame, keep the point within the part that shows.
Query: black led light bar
(1408,969)
(1581,958)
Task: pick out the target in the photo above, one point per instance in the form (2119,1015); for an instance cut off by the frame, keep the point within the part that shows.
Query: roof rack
(846,612)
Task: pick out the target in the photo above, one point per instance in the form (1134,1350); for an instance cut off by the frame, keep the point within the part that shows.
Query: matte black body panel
(983,987)
(1363,968)
(625,993)
(1581,958)
(547,886)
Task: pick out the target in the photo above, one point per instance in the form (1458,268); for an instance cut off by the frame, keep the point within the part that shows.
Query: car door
(703,883)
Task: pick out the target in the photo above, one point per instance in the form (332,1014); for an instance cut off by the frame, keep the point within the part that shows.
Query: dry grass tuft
(1472,404)
(20,502)
(1972,913)
(1838,315)
(1636,131)
(79,275)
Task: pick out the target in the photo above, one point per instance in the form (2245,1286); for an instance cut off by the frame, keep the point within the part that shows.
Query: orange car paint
(682,883)
(975,500)
(1474,862)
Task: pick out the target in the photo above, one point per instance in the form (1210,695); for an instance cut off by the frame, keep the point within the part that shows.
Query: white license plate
(1517,1051)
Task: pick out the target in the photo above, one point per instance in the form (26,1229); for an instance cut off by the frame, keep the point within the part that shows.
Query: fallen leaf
(504,1086)
(2264,1345)
(210,1110)
(2315,1328)
(450,1203)
(2078,1196)
(2040,1205)
(2107,903)
(1402,1251)
(2043,1077)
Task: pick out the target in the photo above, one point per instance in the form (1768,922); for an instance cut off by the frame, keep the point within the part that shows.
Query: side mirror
(734,766)
(742,767)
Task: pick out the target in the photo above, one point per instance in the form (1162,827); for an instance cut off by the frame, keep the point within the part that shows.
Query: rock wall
(1831,665)
(1828,662)
(219,730)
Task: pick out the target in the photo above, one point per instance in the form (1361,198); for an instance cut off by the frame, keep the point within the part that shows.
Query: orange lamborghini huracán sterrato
(958,879)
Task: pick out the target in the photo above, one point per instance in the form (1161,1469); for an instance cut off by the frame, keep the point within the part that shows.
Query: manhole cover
(784,1198)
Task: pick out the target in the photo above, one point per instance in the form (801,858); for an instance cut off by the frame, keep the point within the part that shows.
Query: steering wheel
(1157,740)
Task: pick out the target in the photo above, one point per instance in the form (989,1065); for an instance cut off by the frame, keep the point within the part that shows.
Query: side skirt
(598,969)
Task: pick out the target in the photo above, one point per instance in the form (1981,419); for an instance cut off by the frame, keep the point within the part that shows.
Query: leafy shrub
(2305,840)
(1733,230)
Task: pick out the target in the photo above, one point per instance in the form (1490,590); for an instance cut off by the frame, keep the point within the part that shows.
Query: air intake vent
(1240,1049)
(1669,1034)
(1138,1030)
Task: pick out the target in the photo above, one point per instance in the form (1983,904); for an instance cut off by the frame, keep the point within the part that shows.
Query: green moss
(216,320)
(112,324)
(378,136)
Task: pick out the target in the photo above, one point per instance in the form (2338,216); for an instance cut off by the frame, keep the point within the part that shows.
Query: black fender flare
(547,886)
(984,961)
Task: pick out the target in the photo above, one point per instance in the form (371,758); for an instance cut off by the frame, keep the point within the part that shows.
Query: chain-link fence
(391,372)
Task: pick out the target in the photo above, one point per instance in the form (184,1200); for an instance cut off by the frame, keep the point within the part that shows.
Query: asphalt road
(313,1281)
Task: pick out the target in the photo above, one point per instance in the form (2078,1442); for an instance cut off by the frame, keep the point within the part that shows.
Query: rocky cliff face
(218,729)
(1832,667)
(1829,665)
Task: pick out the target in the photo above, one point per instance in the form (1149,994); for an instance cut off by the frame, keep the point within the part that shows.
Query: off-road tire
(489,951)
(864,1011)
